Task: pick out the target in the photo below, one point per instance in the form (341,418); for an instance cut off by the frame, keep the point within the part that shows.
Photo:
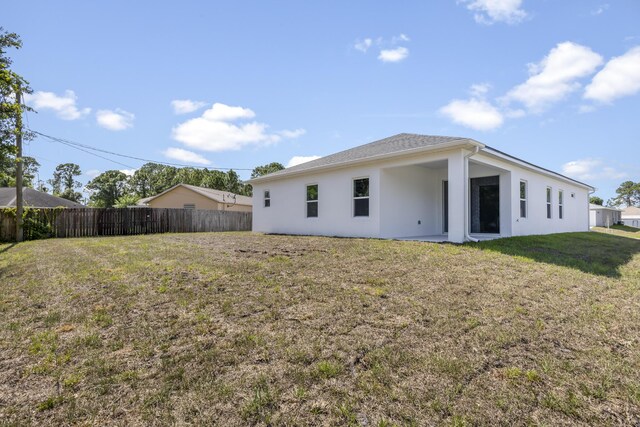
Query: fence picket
(86,222)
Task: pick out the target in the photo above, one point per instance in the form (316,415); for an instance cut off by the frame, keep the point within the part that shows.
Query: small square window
(189,206)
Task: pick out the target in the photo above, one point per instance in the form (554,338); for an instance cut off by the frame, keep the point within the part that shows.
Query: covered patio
(451,198)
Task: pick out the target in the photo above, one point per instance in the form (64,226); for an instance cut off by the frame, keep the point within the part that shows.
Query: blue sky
(244,83)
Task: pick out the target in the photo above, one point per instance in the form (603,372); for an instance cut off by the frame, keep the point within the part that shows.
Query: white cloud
(490,11)
(389,49)
(586,109)
(473,113)
(185,156)
(588,169)
(600,9)
(393,55)
(117,119)
(292,133)
(620,77)
(128,172)
(64,106)
(555,76)
(92,173)
(184,106)
(480,89)
(296,160)
(363,45)
(401,38)
(215,130)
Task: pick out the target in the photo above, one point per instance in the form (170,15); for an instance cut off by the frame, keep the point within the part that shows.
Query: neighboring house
(603,216)
(419,186)
(34,199)
(631,216)
(183,196)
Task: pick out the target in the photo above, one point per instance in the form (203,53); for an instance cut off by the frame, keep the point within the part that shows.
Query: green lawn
(248,329)
(620,230)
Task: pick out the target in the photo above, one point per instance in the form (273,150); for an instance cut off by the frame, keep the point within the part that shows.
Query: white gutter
(466,195)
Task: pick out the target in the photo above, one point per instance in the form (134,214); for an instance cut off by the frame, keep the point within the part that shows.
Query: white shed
(603,216)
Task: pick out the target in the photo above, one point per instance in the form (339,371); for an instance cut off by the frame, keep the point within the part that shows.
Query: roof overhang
(524,164)
(459,143)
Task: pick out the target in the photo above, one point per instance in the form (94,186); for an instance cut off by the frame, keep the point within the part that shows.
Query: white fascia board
(531,166)
(399,154)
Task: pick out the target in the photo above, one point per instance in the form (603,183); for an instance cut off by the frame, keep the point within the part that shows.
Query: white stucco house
(418,186)
(631,216)
(603,216)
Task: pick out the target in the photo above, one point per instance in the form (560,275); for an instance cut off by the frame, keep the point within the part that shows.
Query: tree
(107,188)
(628,193)
(29,171)
(152,179)
(126,201)
(266,169)
(11,83)
(64,184)
(595,200)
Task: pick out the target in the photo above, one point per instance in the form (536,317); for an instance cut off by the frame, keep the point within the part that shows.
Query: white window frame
(549,200)
(307,201)
(525,199)
(560,204)
(267,199)
(354,198)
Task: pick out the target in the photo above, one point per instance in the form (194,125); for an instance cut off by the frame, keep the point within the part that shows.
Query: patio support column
(456,196)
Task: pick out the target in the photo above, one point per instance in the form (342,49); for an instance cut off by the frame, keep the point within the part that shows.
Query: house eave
(523,163)
(463,143)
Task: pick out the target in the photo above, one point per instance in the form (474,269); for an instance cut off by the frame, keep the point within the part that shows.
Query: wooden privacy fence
(86,222)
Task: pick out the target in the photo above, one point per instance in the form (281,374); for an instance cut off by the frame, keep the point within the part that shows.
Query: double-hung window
(267,198)
(312,201)
(523,199)
(361,197)
(549,202)
(560,204)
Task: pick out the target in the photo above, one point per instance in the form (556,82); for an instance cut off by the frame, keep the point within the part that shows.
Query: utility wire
(86,148)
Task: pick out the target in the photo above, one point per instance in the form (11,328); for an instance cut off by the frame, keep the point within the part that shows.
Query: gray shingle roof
(392,145)
(34,199)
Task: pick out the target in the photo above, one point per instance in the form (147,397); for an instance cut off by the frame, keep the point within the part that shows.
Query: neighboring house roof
(144,201)
(398,145)
(631,212)
(597,207)
(34,199)
(216,195)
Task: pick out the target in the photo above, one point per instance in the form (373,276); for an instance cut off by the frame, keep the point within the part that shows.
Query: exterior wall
(404,191)
(180,196)
(287,213)
(632,222)
(576,209)
(410,201)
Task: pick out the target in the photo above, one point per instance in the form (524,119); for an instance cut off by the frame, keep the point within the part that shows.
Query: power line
(85,148)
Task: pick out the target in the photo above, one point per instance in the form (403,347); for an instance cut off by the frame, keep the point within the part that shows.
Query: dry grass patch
(247,329)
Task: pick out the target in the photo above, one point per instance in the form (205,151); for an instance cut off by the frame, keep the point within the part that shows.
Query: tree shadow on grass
(591,252)
(9,246)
